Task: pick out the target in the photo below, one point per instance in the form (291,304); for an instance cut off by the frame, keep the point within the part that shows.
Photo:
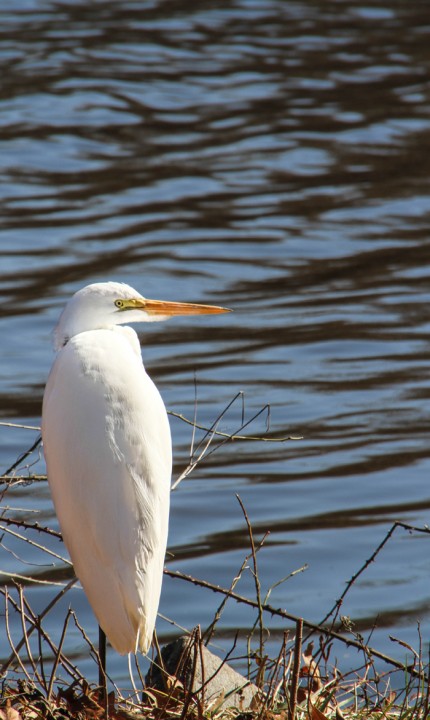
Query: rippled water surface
(272,157)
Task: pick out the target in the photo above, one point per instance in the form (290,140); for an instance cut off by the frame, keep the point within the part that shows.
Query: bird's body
(107,445)
(117,536)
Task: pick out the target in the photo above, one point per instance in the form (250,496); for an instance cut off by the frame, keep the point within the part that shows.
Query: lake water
(271,157)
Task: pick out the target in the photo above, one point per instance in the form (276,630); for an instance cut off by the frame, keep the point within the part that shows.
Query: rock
(215,683)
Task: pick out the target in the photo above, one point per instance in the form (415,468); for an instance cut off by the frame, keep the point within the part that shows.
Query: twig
(68,666)
(12,480)
(31,526)
(34,544)
(194,423)
(213,428)
(190,694)
(209,632)
(174,623)
(284,579)
(25,636)
(255,574)
(22,427)
(43,614)
(202,668)
(15,653)
(139,671)
(285,667)
(294,618)
(58,656)
(232,437)
(211,432)
(93,650)
(204,443)
(192,464)
(28,579)
(272,689)
(336,607)
(91,646)
(296,670)
(24,455)
(223,662)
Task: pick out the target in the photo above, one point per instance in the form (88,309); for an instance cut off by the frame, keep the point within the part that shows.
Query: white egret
(107,446)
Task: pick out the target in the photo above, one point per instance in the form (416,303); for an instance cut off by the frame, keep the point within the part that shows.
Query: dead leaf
(316,714)
(171,698)
(8,712)
(390,698)
(302,694)
(311,669)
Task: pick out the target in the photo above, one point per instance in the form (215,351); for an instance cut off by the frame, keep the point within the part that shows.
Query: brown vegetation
(303,681)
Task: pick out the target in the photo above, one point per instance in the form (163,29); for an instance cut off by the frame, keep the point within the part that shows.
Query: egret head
(102,305)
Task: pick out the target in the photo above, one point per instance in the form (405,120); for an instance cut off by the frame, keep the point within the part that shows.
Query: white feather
(108,451)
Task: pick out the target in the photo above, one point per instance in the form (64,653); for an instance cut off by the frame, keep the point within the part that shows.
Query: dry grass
(302,682)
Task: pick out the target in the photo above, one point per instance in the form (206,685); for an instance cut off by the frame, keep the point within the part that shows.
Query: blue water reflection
(269,157)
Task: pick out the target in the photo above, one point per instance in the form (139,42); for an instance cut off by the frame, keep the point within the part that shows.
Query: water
(266,156)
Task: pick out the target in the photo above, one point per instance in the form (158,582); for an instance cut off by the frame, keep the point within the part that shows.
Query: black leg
(102,654)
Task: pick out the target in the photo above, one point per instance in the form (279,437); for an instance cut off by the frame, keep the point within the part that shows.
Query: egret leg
(102,655)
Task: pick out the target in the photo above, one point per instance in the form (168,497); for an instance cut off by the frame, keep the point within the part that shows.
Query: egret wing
(108,452)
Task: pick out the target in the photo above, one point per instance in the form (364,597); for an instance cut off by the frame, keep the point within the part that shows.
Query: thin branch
(193,434)
(284,579)
(174,623)
(22,427)
(207,681)
(190,694)
(294,618)
(212,432)
(68,666)
(255,574)
(34,544)
(12,480)
(31,526)
(296,670)
(24,455)
(28,579)
(209,632)
(190,467)
(15,649)
(231,437)
(25,636)
(58,655)
(185,420)
(43,614)
(336,607)
(93,650)
(234,436)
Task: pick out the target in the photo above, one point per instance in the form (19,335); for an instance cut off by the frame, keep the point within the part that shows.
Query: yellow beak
(168,309)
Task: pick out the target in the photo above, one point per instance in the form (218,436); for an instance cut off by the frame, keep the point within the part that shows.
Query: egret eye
(120,304)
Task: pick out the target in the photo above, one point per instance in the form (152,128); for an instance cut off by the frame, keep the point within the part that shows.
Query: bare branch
(294,618)
(24,455)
